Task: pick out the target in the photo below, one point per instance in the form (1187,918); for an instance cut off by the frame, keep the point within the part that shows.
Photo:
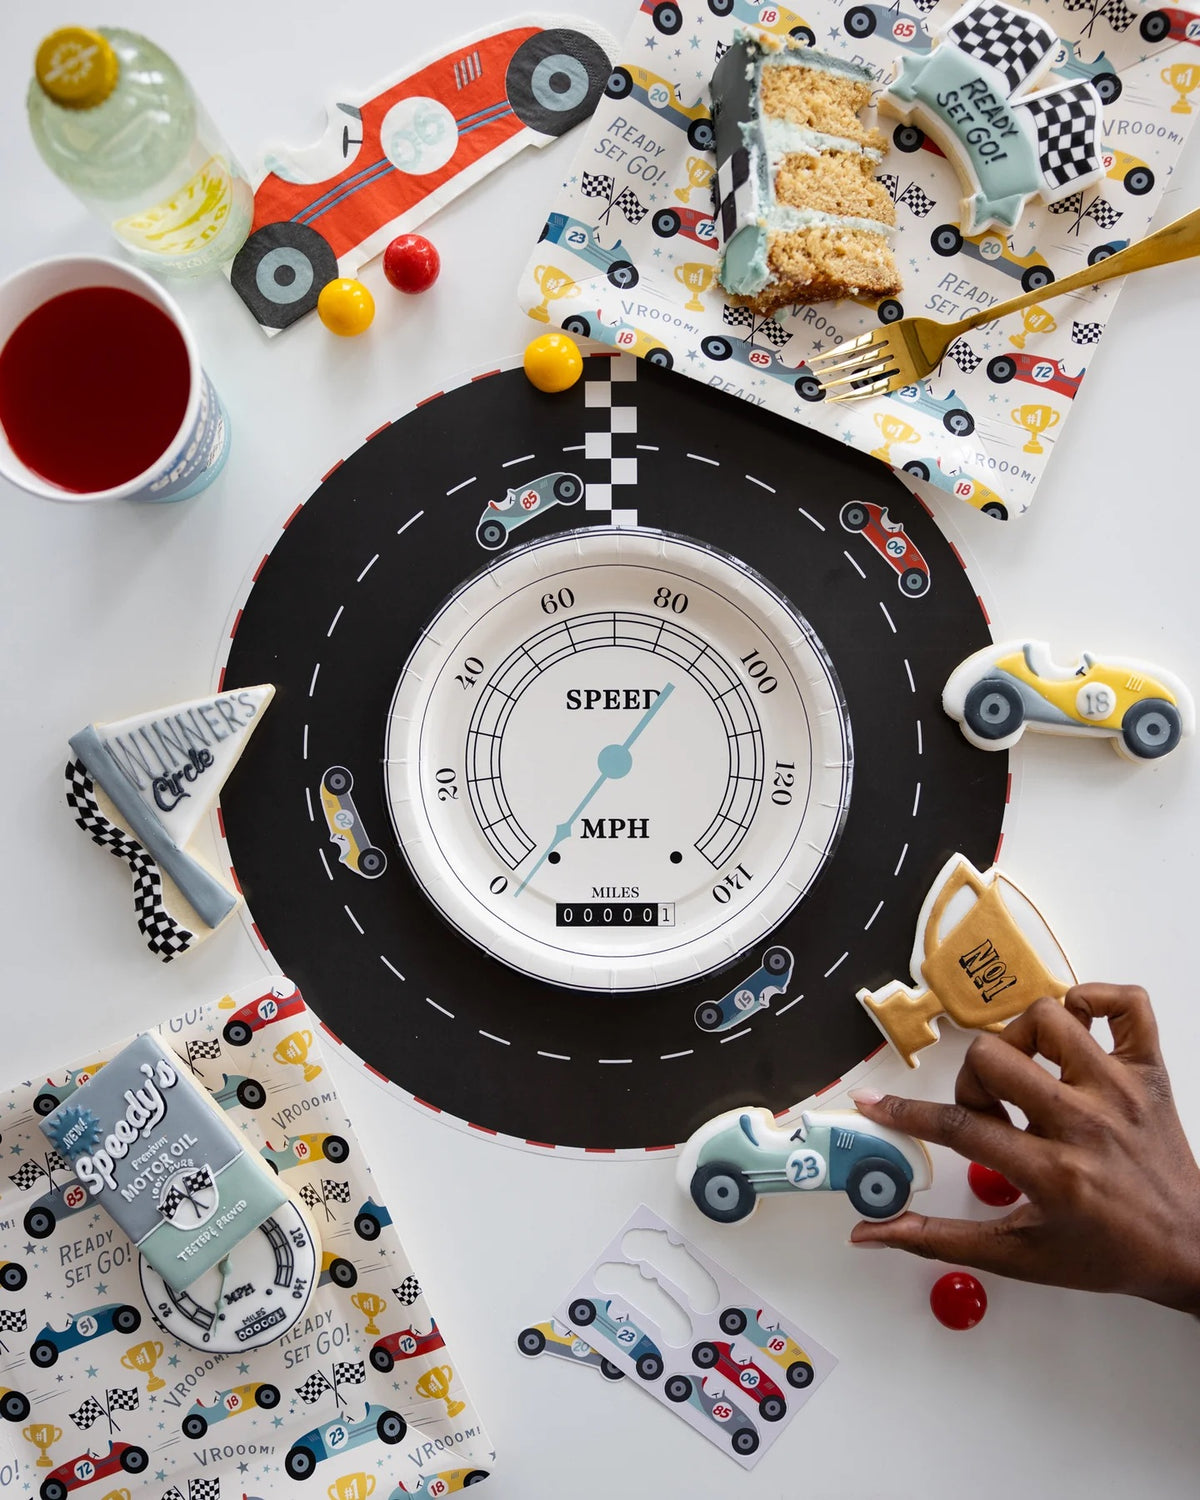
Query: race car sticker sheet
(629,252)
(361,1395)
(716,1355)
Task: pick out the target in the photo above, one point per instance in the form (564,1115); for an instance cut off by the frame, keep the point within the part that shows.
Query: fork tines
(865,364)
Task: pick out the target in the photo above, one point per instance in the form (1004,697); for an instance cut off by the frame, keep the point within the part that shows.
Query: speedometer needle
(613,762)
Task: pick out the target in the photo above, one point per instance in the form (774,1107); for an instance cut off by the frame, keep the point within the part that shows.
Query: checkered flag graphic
(1115,12)
(737,317)
(1010,41)
(964,357)
(1066,121)
(208,1049)
(88,1414)
(197,1489)
(1099,211)
(314,1387)
(1086,333)
(123,1399)
(349,1372)
(37,1167)
(335,1192)
(924,6)
(13,1320)
(628,203)
(597,185)
(601,185)
(163,934)
(407,1292)
(916,199)
(197,1186)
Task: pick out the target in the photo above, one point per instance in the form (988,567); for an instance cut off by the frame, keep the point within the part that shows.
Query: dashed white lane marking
(334,621)
(401,530)
(454,489)
(556,1056)
(770,488)
(700,459)
(325,862)
(304,745)
(887,617)
(442,1008)
(789,1005)
(853,564)
(837,965)
(916,799)
(574,447)
(920,740)
(492,1038)
(354,919)
(900,861)
(733,1036)
(647,447)
(614,1060)
(367,569)
(912,687)
(872,917)
(313,684)
(308,800)
(671,1056)
(524,459)
(807,517)
(388,964)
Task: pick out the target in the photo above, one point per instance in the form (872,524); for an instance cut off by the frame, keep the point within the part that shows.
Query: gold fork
(903,353)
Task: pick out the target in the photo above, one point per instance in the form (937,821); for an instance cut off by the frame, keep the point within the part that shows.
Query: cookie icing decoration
(983,954)
(973,95)
(141,786)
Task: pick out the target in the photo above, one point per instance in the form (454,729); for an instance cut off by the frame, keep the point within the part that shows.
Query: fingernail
(865,1096)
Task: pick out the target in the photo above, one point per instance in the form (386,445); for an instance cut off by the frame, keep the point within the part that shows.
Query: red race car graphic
(692,223)
(1035,369)
(1173,25)
(746,1375)
(242,1025)
(121,1458)
(322,212)
(891,541)
(407,1344)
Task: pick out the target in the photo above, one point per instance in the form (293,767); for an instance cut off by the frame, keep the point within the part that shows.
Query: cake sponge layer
(818,100)
(821,262)
(836,182)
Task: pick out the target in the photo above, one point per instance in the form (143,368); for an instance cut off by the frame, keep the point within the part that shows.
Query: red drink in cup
(101,392)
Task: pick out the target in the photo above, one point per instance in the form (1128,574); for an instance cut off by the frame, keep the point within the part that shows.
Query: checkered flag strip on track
(1086,333)
(1011,41)
(964,356)
(13,1320)
(162,932)
(408,1291)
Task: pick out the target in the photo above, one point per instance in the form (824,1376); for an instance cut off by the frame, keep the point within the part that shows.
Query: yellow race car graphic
(346,830)
(1000,690)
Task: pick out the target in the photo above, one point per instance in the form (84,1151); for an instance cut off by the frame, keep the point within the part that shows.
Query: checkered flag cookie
(964,357)
(314,1387)
(162,932)
(407,1292)
(88,1414)
(13,1320)
(349,1372)
(1010,41)
(1066,122)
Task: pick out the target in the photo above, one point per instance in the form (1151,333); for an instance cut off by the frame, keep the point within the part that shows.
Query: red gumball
(411,263)
(958,1301)
(991,1187)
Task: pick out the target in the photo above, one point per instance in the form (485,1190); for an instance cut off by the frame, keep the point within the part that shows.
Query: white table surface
(112,608)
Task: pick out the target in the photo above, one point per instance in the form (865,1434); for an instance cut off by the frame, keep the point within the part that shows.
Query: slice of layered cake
(801,216)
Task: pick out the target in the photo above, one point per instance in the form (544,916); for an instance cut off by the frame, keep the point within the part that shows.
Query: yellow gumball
(346,307)
(553,362)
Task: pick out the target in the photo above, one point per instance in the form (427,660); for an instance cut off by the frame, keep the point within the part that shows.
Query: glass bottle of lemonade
(115,119)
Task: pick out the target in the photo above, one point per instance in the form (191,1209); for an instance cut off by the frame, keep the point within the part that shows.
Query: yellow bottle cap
(76,67)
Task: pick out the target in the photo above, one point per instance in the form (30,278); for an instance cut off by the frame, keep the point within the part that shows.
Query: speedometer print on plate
(616,759)
(505,893)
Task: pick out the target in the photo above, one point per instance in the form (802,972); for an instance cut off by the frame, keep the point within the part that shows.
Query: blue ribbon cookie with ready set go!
(973,95)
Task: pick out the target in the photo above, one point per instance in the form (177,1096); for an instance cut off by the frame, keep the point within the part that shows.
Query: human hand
(1112,1187)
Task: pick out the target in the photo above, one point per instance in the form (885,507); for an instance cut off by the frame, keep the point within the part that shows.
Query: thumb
(987,1244)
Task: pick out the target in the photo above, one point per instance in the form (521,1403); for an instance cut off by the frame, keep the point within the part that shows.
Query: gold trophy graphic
(434,1385)
(42,1435)
(700,174)
(352,1487)
(697,278)
(1036,419)
(980,947)
(118,1495)
(370,1306)
(144,1357)
(1183,78)
(553,284)
(895,430)
(294,1049)
(1036,320)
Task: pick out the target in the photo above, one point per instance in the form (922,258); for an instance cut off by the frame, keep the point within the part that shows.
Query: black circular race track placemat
(331,616)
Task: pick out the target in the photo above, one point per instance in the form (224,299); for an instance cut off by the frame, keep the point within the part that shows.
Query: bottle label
(186,221)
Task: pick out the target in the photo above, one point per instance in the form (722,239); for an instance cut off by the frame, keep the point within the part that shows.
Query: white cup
(197,452)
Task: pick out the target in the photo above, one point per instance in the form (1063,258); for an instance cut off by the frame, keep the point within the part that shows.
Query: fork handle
(1177,241)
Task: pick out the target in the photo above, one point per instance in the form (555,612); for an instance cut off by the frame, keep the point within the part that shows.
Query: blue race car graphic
(954,416)
(619,1330)
(370,1220)
(718,348)
(114,1317)
(581,239)
(717,1407)
(231,1403)
(1101,71)
(59,1203)
(909,32)
(236,1088)
(332,1439)
(772,977)
(523,503)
